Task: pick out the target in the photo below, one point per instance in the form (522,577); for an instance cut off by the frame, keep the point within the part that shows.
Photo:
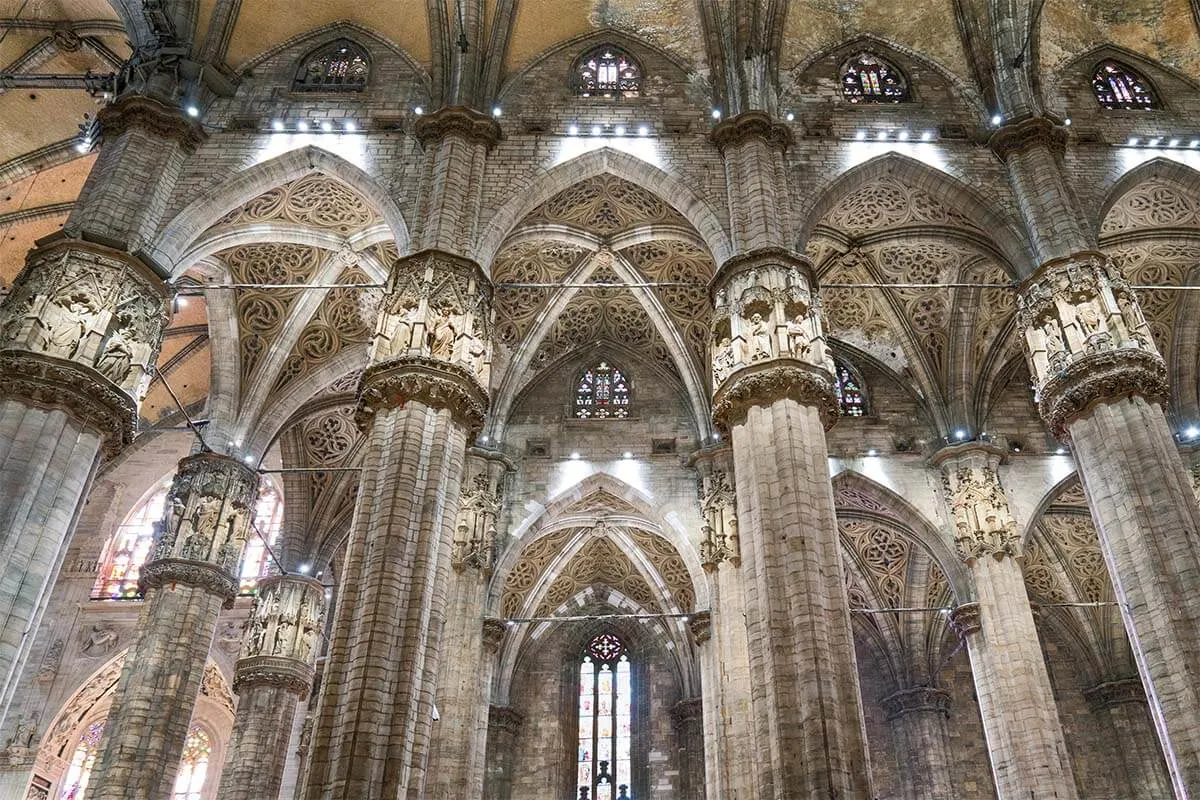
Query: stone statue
(66,320)
(1056,351)
(400,336)
(797,336)
(759,338)
(206,516)
(116,360)
(101,641)
(1090,321)
(723,360)
(443,334)
(25,733)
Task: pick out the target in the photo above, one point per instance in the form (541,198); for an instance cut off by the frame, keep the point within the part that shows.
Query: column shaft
(504,725)
(1121,707)
(917,718)
(689,727)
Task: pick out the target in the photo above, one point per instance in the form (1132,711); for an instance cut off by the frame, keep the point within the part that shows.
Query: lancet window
(602,393)
(130,546)
(605,762)
(852,399)
(341,66)
(1117,86)
(193,766)
(607,72)
(82,761)
(867,78)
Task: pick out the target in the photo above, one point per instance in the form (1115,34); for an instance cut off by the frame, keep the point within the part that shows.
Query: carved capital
(49,382)
(687,712)
(700,624)
(751,125)
(1101,378)
(493,633)
(1033,132)
(965,620)
(458,121)
(505,719)
(983,523)
(763,384)
(1114,693)
(286,622)
(416,379)
(284,673)
(795,265)
(917,700)
(138,112)
(203,575)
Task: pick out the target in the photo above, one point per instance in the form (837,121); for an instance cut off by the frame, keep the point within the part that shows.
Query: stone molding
(1106,695)
(763,258)
(686,711)
(1016,137)
(203,575)
(916,699)
(286,622)
(273,671)
(1101,378)
(56,383)
(751,125)
(437,384)
(461,121)
(700,624)
(763,384)
(138,112)
(493,633)
(965,620)
(505,719)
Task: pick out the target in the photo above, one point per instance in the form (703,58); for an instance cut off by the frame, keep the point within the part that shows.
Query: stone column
(1025,740)
(274,674)
(688,719)
(1100,385)
(458,755)
(421,400)
(1121,707)
(775,398)
(720,635)
(189,577)
(504,725)
(78,333)
(917,718)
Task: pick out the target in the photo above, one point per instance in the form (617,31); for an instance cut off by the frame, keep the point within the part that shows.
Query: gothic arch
(1012,245)
(549,182)
(1183,176)
(341,29)
(1062,80)
(189,224)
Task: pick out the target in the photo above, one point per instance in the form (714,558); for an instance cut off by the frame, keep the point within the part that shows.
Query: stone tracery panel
(601,561)
(315,200)
(889,203)
(1152,204)
(688,305)
(882,554)
(528,262)
(1153,263)
(605,205)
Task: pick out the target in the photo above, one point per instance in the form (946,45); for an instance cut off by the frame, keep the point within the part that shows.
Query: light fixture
(927,136)
(302,126)
(1154,142)
(716,113)
(181,301)
(327,126)
(1067,122)
(882,136)
(573,130)
(192,110)
(627,454)
(790,117)
(496,112)
(872,452)
(305,568)
(619,130)
(960,434)
(1062,451)
(1173,143)
(83,146)
(643,130)
(350,126)
(418,110)
(860,135)
(483,438)
(249,459)
(277,125)
(1134,141)
(902,136)
(574,456)
(1191,432)
(997,119)
(597,130)
(1194,143)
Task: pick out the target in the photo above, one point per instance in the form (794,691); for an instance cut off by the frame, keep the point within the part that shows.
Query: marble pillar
(917,719)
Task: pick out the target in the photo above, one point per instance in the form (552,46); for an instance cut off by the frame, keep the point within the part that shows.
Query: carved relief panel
(286,621)
(983,523)
(718,503)
(475,532)
(86,304)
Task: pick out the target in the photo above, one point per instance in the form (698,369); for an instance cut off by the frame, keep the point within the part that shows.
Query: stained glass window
(76,780)
(867,78)
(1117,86)
(602,393)
(608,72)
(342,66)
(130,546)
(605,762)
(193,767)
(852,401)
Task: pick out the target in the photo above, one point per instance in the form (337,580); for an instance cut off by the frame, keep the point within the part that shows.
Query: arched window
(602,393)
(605,761)
(130,546)
(1117,86)
(193,766)
(852,400)
(342,66)
(867,78)
(76,780)
(607,72)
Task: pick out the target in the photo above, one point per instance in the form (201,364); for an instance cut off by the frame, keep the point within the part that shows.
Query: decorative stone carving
(479,508)
(493,633)
(700,624)
(214,687)
(1031,132)
(423,380)
(1113,693)
(206,522)
(687,712)
(139,112)
(461,121)
(983,524)
(48,670)
(748,125)
(282,635)
(771,381)
(917,699)
(1087,340)
(505,719)
(101,640)
(718,503)
(25,735)
(964,620)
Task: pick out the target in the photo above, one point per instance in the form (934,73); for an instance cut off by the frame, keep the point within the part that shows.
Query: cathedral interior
(599,400)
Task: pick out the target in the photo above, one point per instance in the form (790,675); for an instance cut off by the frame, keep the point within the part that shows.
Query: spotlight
(860,135)
(643,130)
(327,126)
(350,126)
(597,130)
(181,301)
(483,438)
(83,146)
(1194,143)
(927,136)
(1067,122)
(627,454)
(302,126)
(573,130)
(960,434)
(790,117)
(1015,446)
(1154,142)
(1191,432)
(1173,143)
(249,459)
(418,110)
(619,130)
(304,569)
(997,119)
(277,126)
(902,136)
(716,113)
(872,452)
(882,136)
(192,110)
(574,456)
(496,112)
(1134,141)
(1062,451)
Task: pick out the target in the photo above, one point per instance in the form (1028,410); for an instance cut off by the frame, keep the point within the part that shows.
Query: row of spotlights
(1161,141)
(601,130)
(902,135)
(324,126)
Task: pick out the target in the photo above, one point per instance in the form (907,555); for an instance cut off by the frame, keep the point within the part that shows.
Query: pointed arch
(1005,236)
(1185,177)
(315,38)
(605,160)
(1071,480)
(188,225)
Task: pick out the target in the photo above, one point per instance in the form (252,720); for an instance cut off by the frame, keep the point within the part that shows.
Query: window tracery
(602,392)
(605,759)
(82,761)
(867,78)
(341,66)
(848,386)
(607,71)
(130,546)
(193,766)
(1116,86)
